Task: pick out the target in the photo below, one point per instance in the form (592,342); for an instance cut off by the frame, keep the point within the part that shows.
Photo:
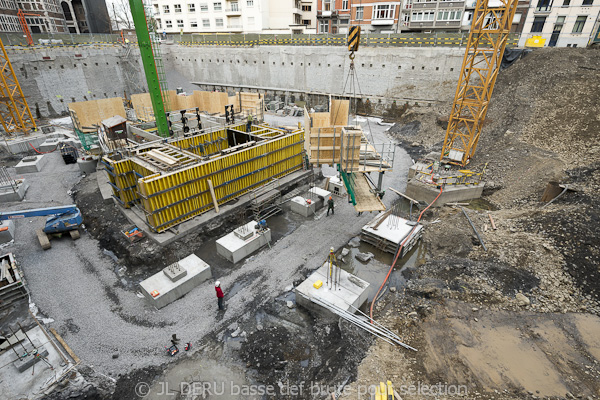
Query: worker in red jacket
(220,295)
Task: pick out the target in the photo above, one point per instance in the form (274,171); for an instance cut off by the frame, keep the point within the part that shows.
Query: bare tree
(121,15)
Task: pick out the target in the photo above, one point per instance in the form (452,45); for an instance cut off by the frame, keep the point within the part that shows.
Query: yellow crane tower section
(15,114)
(490,28)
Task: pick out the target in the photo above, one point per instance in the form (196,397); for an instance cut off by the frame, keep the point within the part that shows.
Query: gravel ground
(75,282)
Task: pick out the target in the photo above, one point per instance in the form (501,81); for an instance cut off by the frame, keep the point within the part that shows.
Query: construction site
(299,222)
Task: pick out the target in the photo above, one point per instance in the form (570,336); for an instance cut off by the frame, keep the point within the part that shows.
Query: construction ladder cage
(265,201)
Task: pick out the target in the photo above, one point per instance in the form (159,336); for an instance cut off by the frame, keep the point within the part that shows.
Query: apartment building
(377,16)
(518,20)
(54,16)
(235,16)
(562,23)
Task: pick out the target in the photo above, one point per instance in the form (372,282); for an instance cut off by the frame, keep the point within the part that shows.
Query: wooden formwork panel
(172,198)
(89,113)
(331,145)
(339,112)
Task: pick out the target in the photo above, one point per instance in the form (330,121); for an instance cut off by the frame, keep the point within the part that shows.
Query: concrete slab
(9,194)
(451,194)
(7,231)
(235,249)
(322,193)
(387,232)
(17,384)
(169,289)
(49,145)
(303,206)
(31,164)
(351,292)
(35,352)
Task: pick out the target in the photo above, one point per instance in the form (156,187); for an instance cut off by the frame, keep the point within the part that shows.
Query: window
(156,9)
(448,15)
(384,11)
(344,22)
(344,4)
(579,23)
(217,6)
(566,3)
(219,22)
(180,23)
(588,2)
(191,7)
(193,23)
(306,22)
(177,8)
(203,7)
(206,23)
(327,5)
(323,27)
(166,9)
(538,24)
(168,23)
(306,8)
(544,5)
(359,13)
(250,3)
(235,7)
(423,16)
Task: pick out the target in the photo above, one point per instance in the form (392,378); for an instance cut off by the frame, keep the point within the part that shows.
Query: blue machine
(60,220)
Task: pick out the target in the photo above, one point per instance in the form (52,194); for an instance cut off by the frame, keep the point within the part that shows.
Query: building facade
(377,16)
(54,16)
(235,16)
(562,23)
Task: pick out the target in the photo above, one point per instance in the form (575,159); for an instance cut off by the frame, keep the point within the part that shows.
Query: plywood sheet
(339,112)
(365,199)
(320,120)
(90,113)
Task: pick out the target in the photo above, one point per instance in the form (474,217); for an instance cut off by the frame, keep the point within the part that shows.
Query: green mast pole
(145,44)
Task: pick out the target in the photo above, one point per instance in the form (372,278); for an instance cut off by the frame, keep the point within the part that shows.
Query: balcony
(326,14)
(543,10)
(233,12)
(235,28)
(382,21)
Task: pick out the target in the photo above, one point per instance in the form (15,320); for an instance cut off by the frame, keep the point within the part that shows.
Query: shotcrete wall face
(54,77)
(405,74)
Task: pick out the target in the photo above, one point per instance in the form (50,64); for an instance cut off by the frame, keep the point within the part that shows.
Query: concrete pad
(390,233)
(49,145)
(31,164)
(451,194)
(351,292)
(322,193)
(234,248)
(172,283)
(302,206)
(17,384)
(7,231)
(31,358)
(336,186)
(8,194)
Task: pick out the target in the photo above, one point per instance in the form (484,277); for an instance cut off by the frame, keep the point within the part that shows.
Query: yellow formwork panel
(193,143)
(172,198)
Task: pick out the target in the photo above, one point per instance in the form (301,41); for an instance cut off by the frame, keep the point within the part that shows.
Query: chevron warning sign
(353,38)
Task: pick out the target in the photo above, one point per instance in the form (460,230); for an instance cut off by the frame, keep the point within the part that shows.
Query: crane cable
(398,254)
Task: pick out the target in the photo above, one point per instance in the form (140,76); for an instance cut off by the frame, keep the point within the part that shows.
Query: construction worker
(249,124)
(220,295)
(330,206)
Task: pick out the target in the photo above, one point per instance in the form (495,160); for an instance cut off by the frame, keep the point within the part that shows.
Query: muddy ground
(519,320)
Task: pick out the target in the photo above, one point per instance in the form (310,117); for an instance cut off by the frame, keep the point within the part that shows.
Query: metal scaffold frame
(15,114)
(485,47)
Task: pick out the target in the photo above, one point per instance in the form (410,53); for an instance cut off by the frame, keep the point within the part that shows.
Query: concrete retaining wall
(421,75)
(53,78)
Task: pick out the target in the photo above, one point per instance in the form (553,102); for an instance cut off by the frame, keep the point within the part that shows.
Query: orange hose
(398,254)
(42,152)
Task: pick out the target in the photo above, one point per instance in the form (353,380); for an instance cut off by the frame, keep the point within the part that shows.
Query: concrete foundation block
(30,359)
(352,292)
(451,194)
(166,290)
(235,249)
(336,186)
(9,194)
(49,145)
(31,164)
(302,206)
(87,164)
(7,231)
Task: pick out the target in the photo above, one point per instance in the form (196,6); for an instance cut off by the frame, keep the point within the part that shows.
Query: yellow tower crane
(489,33)
(15,114)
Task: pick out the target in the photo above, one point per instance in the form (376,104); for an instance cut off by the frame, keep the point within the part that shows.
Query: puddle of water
(375,270)
(481,204)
